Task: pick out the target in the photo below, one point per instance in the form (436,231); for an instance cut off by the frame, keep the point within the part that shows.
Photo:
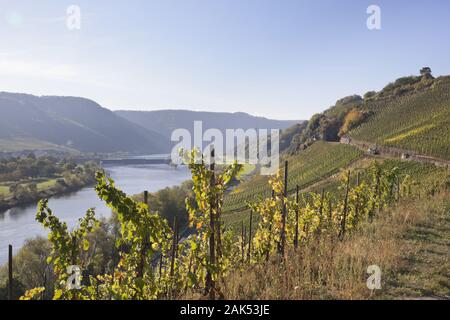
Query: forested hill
(411,113)
(70,122)
(165,121)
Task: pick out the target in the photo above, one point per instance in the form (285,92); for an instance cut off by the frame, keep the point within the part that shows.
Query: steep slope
(410,241)
(166,121)
(419,121)
(324,126)
(73,122)
(318,162)
(410,113)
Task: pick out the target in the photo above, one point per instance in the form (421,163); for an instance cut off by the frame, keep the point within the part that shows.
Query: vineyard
(424,177)
(418,122)
(155,263)
(423,174)
(316,163)
(321,198)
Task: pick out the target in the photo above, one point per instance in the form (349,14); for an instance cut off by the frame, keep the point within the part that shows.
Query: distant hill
(70,123)
(165,121)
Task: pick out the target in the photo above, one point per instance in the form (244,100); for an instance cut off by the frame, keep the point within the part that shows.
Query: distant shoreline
(6,205)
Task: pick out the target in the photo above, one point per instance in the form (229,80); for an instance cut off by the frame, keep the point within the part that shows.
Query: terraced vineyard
(418,122)
(316,163)
(425,177)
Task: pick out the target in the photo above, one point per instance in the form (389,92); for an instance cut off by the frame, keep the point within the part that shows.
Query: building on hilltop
(425,72)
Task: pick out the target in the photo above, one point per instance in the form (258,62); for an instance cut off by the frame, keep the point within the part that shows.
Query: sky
(282,59)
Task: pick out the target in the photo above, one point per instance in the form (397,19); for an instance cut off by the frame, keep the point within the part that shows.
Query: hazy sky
(284,59)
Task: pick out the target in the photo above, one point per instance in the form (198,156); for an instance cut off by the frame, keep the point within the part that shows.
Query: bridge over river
(160,159)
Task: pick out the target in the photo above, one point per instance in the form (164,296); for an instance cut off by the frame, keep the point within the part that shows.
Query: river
(19,224)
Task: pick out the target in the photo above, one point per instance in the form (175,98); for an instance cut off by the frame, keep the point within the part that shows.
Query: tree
(352,119)
(369,95)
(30,267)
(18,289)
(425,71)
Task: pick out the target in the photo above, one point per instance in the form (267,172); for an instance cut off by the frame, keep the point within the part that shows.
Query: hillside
(166,121)
(410,113)
(419,121)
(70,122)
(318,162)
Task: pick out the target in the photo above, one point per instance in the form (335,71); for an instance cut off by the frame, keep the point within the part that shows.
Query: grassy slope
(424,268)
(418,122)
(410,243)
(46,184)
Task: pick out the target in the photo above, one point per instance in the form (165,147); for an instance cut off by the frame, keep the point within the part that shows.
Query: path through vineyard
(396,153)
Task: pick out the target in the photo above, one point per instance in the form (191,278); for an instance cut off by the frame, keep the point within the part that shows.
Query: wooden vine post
(322,199)
(161,258)
(284,213)
(270,232)
(146,197)
(297,209)
(174,256)
(242,241)
(145,245)
(210,283)
(358,178)
(358,183)
(330,214)
(249,253)
(344,217)
(10,272)
(174,248)
(377,196)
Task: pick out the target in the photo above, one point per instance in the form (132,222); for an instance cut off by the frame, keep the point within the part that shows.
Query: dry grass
(330,269)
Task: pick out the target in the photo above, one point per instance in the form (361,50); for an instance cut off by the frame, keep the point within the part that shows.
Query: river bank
(30,192)
(26,180)
(7,204)
(18,223)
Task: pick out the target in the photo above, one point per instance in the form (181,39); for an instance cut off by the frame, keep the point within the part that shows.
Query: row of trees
(154,263)
(31,167)
(66,176)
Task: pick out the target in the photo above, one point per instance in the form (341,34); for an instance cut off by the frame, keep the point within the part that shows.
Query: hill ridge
(74,122)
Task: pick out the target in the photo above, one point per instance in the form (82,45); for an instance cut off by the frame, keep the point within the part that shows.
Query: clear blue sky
(285,59)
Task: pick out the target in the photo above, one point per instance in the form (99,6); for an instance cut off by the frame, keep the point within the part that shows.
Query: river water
(19,224)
